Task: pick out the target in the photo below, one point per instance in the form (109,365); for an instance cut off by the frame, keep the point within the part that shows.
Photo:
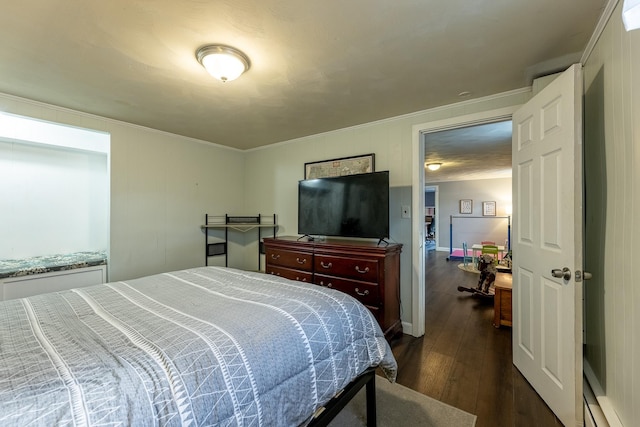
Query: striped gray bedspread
(205,346)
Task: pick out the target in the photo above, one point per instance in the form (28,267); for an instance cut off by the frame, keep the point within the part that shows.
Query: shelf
(239,227)
(237,223)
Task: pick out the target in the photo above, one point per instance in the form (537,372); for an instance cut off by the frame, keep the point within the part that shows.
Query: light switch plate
(406,212)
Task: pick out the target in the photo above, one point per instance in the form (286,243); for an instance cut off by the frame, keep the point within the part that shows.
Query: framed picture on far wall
(466,206)
(489,208)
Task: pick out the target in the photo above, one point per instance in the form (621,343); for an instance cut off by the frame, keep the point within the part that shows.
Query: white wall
(56,200)
(161,187)
(162,184)
(272,172)
(471,229)
(612,141)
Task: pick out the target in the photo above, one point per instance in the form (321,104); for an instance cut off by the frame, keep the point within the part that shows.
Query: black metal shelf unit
(238,223)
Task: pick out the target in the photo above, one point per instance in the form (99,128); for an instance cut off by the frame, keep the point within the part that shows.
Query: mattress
(204,346)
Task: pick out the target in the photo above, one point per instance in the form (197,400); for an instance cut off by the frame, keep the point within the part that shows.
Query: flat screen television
(346,206)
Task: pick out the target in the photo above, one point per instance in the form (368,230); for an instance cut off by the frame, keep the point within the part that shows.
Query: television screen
(347,206)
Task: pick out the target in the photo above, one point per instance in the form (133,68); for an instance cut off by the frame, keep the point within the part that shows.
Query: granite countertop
(48,263)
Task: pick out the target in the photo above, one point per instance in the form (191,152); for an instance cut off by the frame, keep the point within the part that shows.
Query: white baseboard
(593,415)
(407,328)
(599,405)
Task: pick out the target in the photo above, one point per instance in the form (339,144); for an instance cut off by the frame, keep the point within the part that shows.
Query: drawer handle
(275,256)
(301,280)
(328,285)
(362,294)
(325,265)
(366,270)
(301,261)
(273,273)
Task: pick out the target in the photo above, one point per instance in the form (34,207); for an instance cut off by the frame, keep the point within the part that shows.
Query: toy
(487,268)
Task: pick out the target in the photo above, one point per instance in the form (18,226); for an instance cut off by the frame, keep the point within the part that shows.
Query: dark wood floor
(462,359)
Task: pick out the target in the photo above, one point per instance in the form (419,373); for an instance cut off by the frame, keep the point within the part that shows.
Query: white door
(547,236)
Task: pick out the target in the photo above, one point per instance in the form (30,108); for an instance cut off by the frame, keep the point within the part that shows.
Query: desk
(502,300)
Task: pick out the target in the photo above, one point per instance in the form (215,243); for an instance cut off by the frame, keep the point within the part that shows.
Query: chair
(465,258)
(429,235)
(487,242)
(491,250)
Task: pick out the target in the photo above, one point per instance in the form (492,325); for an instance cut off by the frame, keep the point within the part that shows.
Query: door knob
(565,273)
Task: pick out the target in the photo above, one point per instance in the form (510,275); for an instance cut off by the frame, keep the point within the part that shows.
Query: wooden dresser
(368,272)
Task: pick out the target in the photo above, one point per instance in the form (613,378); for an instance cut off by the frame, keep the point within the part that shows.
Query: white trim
(417,224)
(597,32)
(407,328)
(418,274)
(593,415)
(603,401)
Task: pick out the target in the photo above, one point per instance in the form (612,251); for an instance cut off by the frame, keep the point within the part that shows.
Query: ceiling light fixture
(225,63)
(631,14)
(433,166)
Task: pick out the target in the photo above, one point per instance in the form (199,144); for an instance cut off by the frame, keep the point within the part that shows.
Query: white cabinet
(34,284)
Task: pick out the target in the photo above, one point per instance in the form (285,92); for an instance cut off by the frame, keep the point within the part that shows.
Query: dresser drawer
(354,268)
(288,273)
(368,271)
(283,258)
(366,293)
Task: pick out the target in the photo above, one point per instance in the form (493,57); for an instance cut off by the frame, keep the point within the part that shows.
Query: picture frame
(466,206)
(364,163)
(489,208)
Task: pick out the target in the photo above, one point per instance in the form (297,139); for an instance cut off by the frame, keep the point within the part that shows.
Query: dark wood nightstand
(502,300)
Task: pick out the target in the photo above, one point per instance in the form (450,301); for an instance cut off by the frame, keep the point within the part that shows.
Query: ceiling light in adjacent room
(433,166)
(225,63)
(631,14)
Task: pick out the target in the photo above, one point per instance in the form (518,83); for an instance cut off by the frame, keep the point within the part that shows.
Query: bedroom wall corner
(161,187)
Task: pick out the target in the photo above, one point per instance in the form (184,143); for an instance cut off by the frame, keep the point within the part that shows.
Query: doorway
(474,178)
(430,210)
(418,199)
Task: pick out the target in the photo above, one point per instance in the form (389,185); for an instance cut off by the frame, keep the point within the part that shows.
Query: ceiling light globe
(433,166)
(223,62)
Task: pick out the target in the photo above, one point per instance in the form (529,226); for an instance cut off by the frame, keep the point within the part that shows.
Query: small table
(477,248)
(502,300)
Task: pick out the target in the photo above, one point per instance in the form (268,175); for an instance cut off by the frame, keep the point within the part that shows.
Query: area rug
(470,268)
(400,406)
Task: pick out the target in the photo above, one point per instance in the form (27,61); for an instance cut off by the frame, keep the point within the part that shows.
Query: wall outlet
(406,211)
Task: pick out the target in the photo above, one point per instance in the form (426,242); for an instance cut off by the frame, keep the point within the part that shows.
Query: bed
(204,346)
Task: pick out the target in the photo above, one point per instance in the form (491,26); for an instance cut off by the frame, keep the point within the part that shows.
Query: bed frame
(324,415)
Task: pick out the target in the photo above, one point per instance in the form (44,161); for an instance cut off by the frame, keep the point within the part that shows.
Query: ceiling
(469,153)
(315,66)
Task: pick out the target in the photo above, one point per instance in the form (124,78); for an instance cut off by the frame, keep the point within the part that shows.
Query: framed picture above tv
(340,167)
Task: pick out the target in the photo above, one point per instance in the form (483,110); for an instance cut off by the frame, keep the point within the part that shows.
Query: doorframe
(418,290)
(436,205)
